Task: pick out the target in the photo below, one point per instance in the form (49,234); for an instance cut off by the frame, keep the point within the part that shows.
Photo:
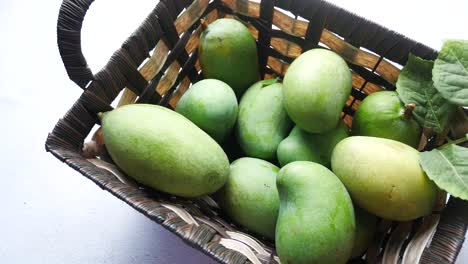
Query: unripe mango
(262,122)
(212,106)
(250,197)
(316,87)
(316,218)
(164,150)
(384,177)
(304,146)
(228,52)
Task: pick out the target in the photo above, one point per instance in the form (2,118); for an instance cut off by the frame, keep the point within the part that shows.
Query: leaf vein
(459,62)
(453,169)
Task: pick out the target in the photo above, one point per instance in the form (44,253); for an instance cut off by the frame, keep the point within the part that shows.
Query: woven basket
(159,61)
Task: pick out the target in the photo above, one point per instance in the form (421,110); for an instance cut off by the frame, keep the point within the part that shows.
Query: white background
(35,92)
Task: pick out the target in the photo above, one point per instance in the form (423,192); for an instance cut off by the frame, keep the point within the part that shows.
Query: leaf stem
(409,108)
(459,141)
(455,142)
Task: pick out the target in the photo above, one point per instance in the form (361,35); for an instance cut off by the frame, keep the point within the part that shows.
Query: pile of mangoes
(301,179)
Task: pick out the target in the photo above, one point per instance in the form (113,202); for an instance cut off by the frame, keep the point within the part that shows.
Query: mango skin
(384,177)
(212,105)
(316,87)
(228,52)
(366,225)
(316,217)
(250,197)
(262,122)
(381,114)
(303,146)
(162,149)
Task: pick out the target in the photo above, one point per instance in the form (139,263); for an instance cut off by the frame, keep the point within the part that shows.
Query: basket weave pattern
(159,61)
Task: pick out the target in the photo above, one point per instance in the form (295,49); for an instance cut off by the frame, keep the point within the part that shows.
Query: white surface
(35,93)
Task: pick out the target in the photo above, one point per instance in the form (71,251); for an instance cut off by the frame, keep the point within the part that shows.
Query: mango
(382,114)
(366,225)
(164,150)
(250,197)
(384,177)
(212,105)
(316,217)
(262,122)
(316,87)
(228,52)
(303,146)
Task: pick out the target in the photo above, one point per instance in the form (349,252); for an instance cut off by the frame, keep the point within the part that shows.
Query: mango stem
(203,24)
(409,108)
(100,115)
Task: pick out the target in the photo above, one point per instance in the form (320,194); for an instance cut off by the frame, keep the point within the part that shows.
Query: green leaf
(269,82)
(451,72)
(448,168)
(415,86)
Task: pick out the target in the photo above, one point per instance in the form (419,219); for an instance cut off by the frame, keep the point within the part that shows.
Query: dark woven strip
(371,76)
(189,64)
(367,76)
(269,70)
(318,14)
(111,80)
(74,126)
(167,24)
(149,94)
(281,34)
(144,39)
(69,25)
(369,34)
(128,68)
(450,234)
(276,54)
(171,9)
(180,5)
(264,35)
(251,20)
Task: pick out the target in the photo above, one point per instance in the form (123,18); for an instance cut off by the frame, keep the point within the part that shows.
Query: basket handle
(70,21)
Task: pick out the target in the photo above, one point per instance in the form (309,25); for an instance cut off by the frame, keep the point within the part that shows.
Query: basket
(159,61)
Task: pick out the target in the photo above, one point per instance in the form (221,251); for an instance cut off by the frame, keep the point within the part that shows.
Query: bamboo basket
(159,61)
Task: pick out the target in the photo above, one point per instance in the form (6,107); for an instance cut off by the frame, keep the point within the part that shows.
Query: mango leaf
(451,72)
(448,168)
(415,86)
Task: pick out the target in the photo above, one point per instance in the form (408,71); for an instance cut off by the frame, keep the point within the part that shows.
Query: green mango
(316,217)
(164,150)
(366,225)
(316,87)
(228,52)
(212,106)
(300,145)
(382,114)
(262,122)
(249,196)
(384,177)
